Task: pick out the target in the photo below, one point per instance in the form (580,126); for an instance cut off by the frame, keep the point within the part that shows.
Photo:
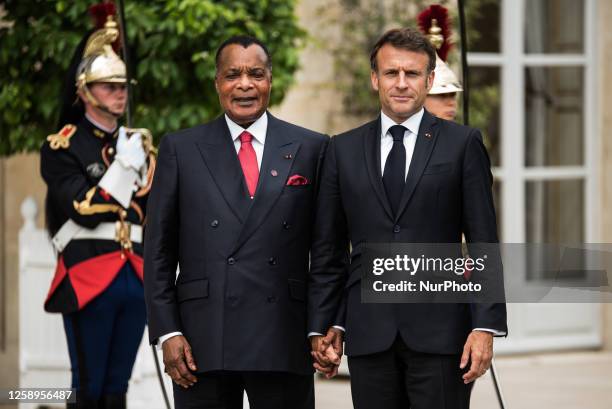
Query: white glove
(130,152)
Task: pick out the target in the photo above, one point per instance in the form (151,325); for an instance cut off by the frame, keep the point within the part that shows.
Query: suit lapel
(280,150)
(371,147)
(219,155)
(426,140)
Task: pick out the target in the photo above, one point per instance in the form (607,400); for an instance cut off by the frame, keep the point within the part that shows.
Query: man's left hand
(327,352)
(478,350)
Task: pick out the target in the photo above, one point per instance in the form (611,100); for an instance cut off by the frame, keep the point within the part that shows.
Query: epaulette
(62,138)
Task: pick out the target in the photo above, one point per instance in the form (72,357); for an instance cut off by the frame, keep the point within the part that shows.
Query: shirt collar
(257,129)
(99,126)
(412,123)
(98,129)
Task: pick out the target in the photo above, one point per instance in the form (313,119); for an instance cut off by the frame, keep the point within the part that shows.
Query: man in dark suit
(406,177)
(233,206)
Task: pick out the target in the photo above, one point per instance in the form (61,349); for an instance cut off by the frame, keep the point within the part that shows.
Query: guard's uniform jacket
(72,163)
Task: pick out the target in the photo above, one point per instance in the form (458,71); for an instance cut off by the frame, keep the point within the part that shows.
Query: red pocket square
(297,180)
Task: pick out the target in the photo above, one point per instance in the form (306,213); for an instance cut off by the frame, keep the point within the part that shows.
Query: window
(533,64)
(531,79)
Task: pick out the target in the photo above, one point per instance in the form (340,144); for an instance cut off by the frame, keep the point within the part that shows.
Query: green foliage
(173,44)
(484,115)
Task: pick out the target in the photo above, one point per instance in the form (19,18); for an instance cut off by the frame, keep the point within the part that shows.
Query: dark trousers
(400,378)
(265,390)
(104,336)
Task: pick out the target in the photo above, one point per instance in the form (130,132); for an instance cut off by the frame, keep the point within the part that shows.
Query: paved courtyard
(570,380)
(577,380)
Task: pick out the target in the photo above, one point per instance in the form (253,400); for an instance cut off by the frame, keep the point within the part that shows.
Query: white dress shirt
(258,129)
(410,136)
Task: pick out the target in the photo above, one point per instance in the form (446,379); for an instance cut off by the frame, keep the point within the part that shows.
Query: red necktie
(248,162)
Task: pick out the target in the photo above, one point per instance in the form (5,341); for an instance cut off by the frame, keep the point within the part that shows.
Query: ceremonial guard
(442,97)
(98,176)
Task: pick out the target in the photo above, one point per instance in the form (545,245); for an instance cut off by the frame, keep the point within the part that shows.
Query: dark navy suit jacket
(240,298)
(447,193)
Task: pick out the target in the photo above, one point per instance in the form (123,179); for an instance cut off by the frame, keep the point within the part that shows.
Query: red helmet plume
(439,13)
(100,12)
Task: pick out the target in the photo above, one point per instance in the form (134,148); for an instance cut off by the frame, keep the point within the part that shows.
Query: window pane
(555,215)
(485,97)
(554,26)
(555,211)
(554,118)
(483,25)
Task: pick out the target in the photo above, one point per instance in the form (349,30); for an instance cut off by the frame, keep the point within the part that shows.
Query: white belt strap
(104,231)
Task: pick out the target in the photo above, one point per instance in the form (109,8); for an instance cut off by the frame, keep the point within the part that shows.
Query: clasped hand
(180,365)
(327,352)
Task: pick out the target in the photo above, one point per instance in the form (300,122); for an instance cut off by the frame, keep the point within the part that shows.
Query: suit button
(214,223)
(396,229)
(271,299)
(286,225)
(231,261)
(272,261)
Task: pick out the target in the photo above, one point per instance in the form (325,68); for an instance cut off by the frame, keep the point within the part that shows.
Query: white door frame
(523,319)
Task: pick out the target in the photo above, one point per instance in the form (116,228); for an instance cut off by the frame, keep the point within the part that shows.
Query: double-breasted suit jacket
(240,297)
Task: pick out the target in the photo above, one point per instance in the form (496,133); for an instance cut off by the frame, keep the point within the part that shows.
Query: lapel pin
(427,135)
(273,172)
(288,156)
